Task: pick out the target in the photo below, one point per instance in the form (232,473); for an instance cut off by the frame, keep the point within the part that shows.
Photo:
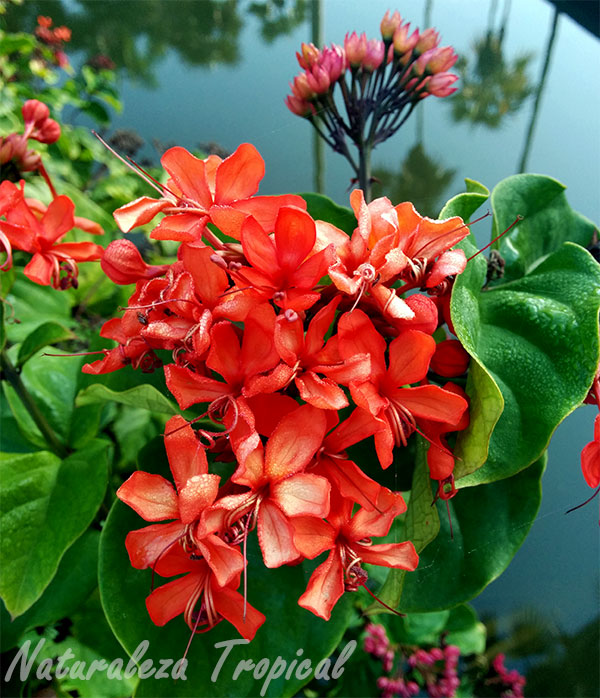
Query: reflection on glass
(421,180)
(492,86)
(556,663)
(278,17)
(136,34)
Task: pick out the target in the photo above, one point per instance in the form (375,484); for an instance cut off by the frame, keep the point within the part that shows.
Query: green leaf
(287,629)
(421,526)
(33,305)
(485,399)
(537,338)
(143,396)
(489,523)
(2,331)
(323,209)
(548,222)
(48,333)
(97,111)
(75,580)
(53,381)
(466,630)
(46,505)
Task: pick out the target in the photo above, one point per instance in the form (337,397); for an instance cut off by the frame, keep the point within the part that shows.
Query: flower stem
(10,373)
(364,169)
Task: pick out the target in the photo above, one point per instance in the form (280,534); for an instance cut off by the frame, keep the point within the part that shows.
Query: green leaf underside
(421,526)
(548,222)
(537,337)
(142,396)
(275,592)
(46,505)
(489,522)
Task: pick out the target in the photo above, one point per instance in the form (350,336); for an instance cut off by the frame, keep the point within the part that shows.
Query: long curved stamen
(518,219)
(587,501)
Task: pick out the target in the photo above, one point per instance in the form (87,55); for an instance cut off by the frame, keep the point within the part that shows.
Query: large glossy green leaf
(489,523)
(537,337)
(75,580)
(322,208)
(421,525)
(275,592)
(548,221)
(46,505)
(143,396)
(485,399)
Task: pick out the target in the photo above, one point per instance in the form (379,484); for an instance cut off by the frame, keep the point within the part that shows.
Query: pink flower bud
(389,24)
(428,39)
(439,85)
(34,112)
(441,60)
(333,60)
(318,79)
(374,55)
(402,42)
(30,161)
(298,106)
(356,48)
(301,87)
(123,264)
(309,56)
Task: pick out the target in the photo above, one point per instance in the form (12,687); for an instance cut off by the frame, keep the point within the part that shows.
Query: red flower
(306,356)
(349,539)
(398,409)
(199,191)
(284,268)
(199,585)
(155,499)
(279,489)
(40,236)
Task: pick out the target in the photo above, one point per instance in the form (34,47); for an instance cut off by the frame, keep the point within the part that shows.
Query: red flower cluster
(29,225)
(274,333)
(54,38)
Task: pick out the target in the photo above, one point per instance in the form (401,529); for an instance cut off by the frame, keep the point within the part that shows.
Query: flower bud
(34,112)
(318,79)
(356,48)
(439,85)
(123,264)
(402,42)
(450,359)
(12,147)
(49,132)
(301,87)
(441,59)
(428,39)
(389,24)
(298,106)
(333,60)
(309,56)
(374,55)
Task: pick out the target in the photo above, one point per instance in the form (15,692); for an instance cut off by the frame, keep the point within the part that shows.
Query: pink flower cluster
(418,64)
(512,680)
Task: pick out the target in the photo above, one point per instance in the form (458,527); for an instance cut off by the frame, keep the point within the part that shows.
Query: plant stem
(10,373)
(364,169)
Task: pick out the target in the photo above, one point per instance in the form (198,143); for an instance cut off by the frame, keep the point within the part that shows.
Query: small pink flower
(428,39)
(318,79)
(309,55)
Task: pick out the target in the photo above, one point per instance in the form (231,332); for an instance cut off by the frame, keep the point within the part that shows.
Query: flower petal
(398,555)
(275,535)
(239,175)
(303,494)
(325,587)
(151,496)
(188,172)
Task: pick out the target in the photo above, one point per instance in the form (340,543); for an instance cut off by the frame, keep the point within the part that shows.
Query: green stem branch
(10,373)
